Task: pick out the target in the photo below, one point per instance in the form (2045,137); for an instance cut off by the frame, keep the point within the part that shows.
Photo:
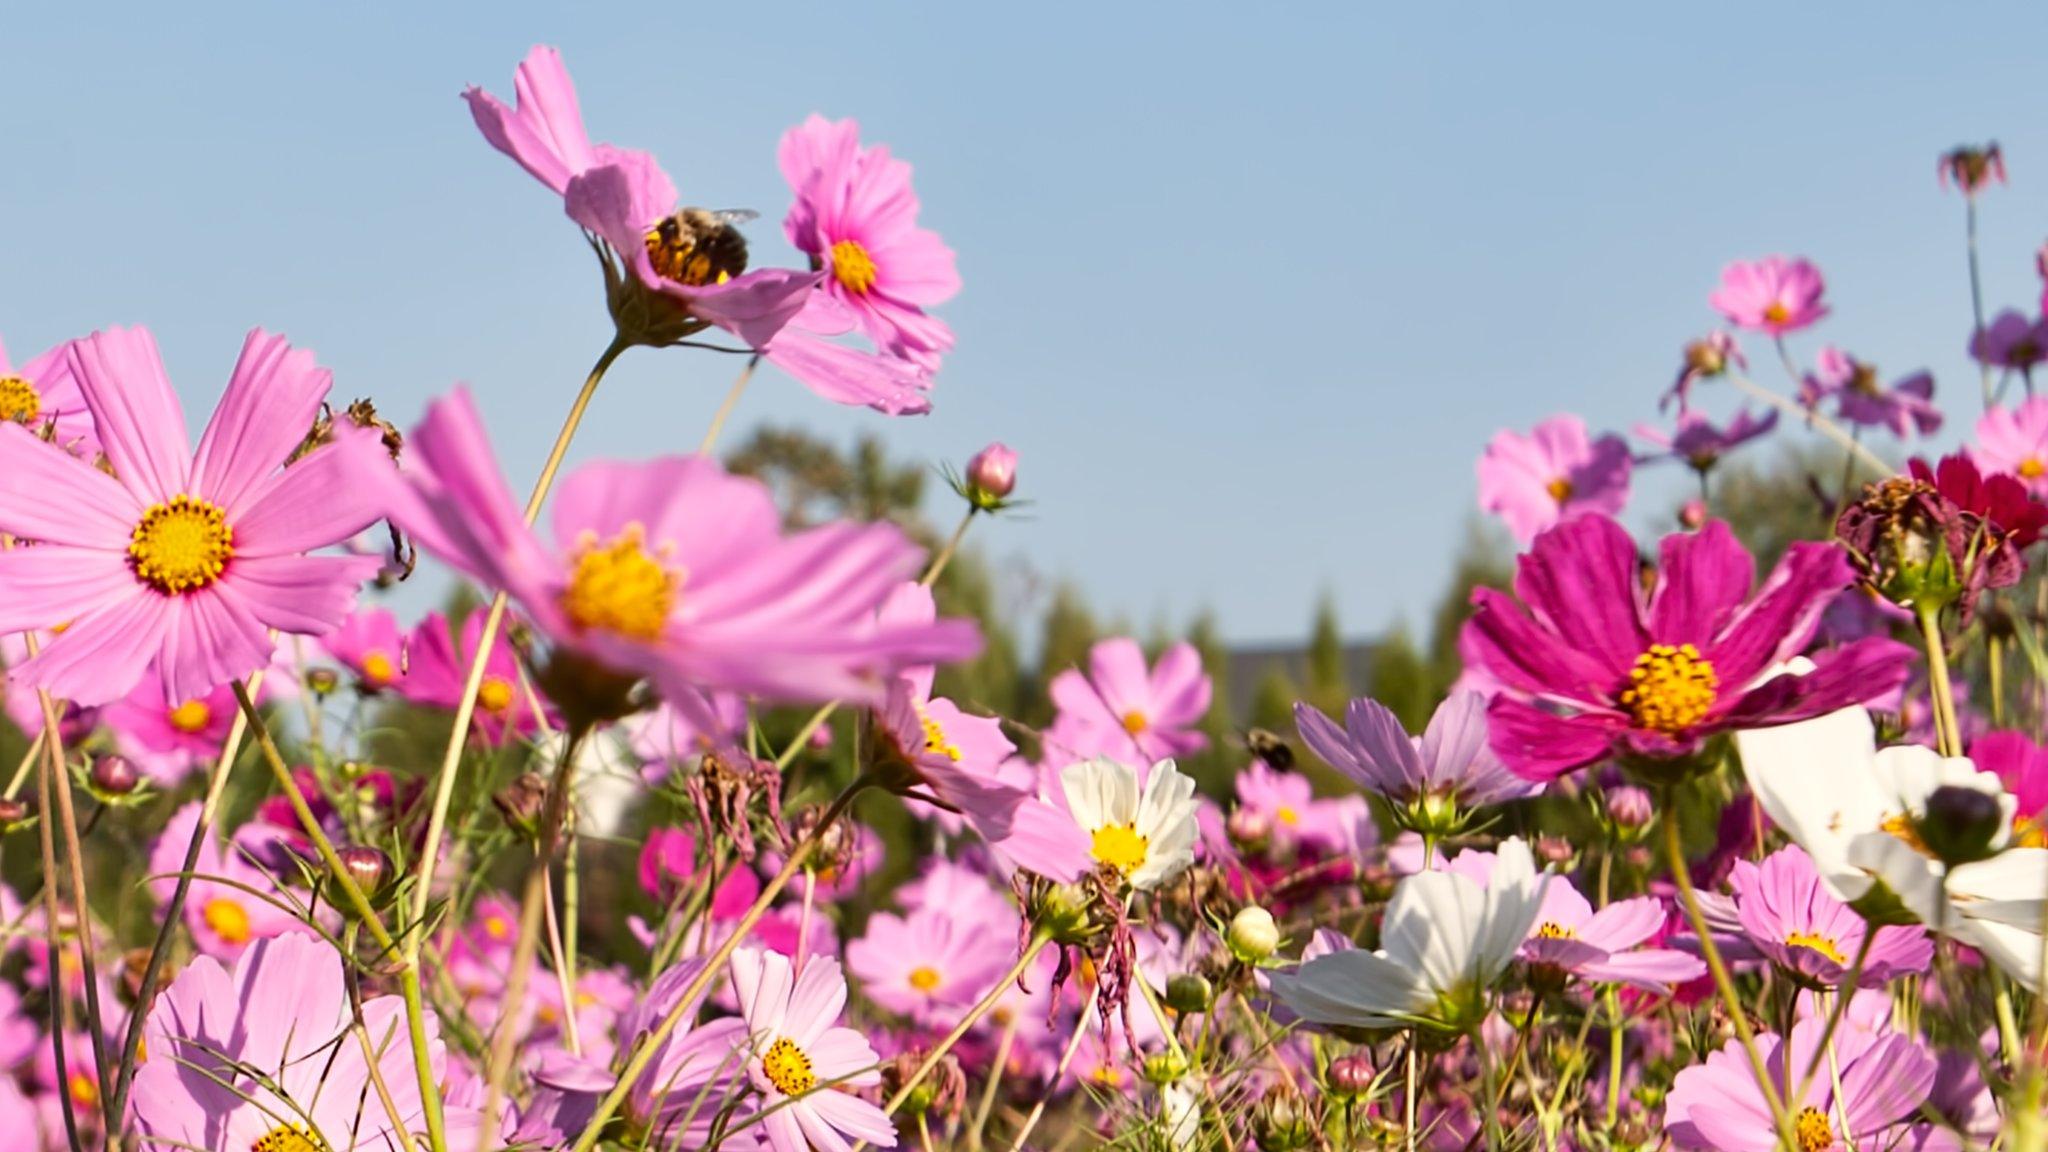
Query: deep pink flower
(43,392)
(437,671)
(669,569)
(856,217)
(167,741)
(1122,710)
(1552,474)
(2014,441)
(1590,666)
(178,562)
(1699,443)
(2011,341)
(1787,915)
(2022,766)
(1717,1105)
(1862,399)
(1773,295)
(370,646)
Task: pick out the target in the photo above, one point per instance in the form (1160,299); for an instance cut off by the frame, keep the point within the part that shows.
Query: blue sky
(1247,289)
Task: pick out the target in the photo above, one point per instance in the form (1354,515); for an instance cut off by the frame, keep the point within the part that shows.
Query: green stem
(732,399)
(945,556)
(1947,734)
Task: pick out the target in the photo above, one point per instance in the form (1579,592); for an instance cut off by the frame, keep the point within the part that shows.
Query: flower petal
(134,411)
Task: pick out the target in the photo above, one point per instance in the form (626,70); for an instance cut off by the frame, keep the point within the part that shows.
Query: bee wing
(734,215)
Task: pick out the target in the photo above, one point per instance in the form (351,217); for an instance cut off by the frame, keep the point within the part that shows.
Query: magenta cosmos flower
(167,741)
(1882,1079)
(669,569)
(799,1057)
(43,393)
(437,672)
(369,645)
(1123,710)
(1788,916)
(1552,474)
(180,563)
(1862,399)
(1699,443)
(260,1058)
(856,217)
(1773,295)
(1590,666)
(2015,441)
(2022,766)
(1450,762)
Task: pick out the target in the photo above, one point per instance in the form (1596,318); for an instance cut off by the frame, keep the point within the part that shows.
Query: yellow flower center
(935,739)
(1776,313)
(620,588)
(2031,468)
(924,978)
(788,1068)
(1552,930)
(1287,816)
(19,400)
(1670,688)
(288,1138)
(1560,490)
(191,717)
(1824,945)
(496,928)
(181,546)
(2028,832)
(1135,722)
(83,1090)
(1815,1132)
(495,695)
(1121,847)
(1902,827)
(378,669)
(227,919)
(853,267)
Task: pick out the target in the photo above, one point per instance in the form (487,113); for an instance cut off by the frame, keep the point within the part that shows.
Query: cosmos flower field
(1716,843)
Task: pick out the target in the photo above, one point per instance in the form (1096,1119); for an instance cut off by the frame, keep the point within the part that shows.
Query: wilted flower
(1591,666)
(1552,474)
(1773,295)
(1942,534)
(1971,168)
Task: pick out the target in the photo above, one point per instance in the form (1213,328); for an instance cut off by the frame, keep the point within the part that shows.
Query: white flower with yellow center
(1143,834)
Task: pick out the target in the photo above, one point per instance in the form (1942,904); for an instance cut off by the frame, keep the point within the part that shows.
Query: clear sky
(1247,287)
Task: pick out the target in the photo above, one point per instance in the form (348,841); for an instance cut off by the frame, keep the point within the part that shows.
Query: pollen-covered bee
(699,246)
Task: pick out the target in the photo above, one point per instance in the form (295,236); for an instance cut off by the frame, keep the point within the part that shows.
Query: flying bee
(699,246)
(1277,753)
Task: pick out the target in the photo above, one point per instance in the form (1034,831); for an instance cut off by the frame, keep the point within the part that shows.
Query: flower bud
(1554,850)
(1692,514)
(1630,807)
(991,476)
(1350,1075)
(1165,1067)
(1064,910)
(113,776)
(1248,827)
(13,814)
(1707,356)
(1189,993)
(1961,824)
(322,681)
(1253,935)
(369,867)
(1283,1122)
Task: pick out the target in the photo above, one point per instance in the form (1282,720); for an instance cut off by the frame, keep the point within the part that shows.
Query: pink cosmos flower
(1286,805)
(1451,761)
(1788,916)
(437,671)
(670,569)
(1699,443)
(1862,400)
(931,965)
(43,392)
(180,563)
(2011,341)
(1773,295)
(1553,474)
(1882,1078)
(694,1072)
(166,742)
(223,910)
(254,1057)
(1571,940)
(1121,710)
(2022,766)
(2015,441)
(856,217)
(1590,666)
(371,647)
(801,1060)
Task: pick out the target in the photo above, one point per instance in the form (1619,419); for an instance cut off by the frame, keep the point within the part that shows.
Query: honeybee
(699,246)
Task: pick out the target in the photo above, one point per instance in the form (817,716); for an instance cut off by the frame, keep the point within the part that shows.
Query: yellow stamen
(1902,827)
(935,739)
(496,928)
(1287,816)
(288,1138)
(1776,313)
(181,546)
(1120,846)
(495,695)
(19,400)
(1824,945)
(191,717)
(1670,688)
(1560,489)
(227,919)
(378,669)
(853,267)
(84,1091)
(788,1068)
(1815,1132)
(620,588)
(924,978)
(1552,930)
(1136,722)
(2031,468)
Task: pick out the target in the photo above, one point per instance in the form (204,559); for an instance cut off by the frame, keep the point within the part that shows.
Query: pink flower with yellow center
(1552,474)
(43,393)
(1773,295)
(167,741)
(438,670)
(180,563)
(2015,441)
(801,1060)
(1124,710)
(371,647)
(231,902)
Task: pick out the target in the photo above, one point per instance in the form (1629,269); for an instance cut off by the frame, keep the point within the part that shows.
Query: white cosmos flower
(1444,943)
(1853,807)
(1148,835)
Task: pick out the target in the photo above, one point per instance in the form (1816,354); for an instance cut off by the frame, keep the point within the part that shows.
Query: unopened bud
(522,801)
(1554,850)
(113,776)
(1283,1123)
(1351,1075)
(369,867)
(13,814)
(1248,827)
(322,681)
(1630,807)
(991,475)
(1961,824)
(1165,1067)
(1692,514)
(1064,910)
(1253,935)
(1189,993)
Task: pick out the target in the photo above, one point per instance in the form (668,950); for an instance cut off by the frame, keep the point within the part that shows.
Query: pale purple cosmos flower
(1451,761)
(1123,710)
(695,1071)
(2015,441)
(1552,474)
(1716,1106)
(1592,666)
(1862,399)
(1787,915)
(670,569)
(1773,295)
(1699,443)
(800,1059)
(180,563)
(2012,341)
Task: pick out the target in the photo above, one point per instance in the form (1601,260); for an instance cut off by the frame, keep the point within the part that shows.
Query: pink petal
(315,502)
(135,411)
(48,585)
(49,495)
(271,402)
(102,655)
